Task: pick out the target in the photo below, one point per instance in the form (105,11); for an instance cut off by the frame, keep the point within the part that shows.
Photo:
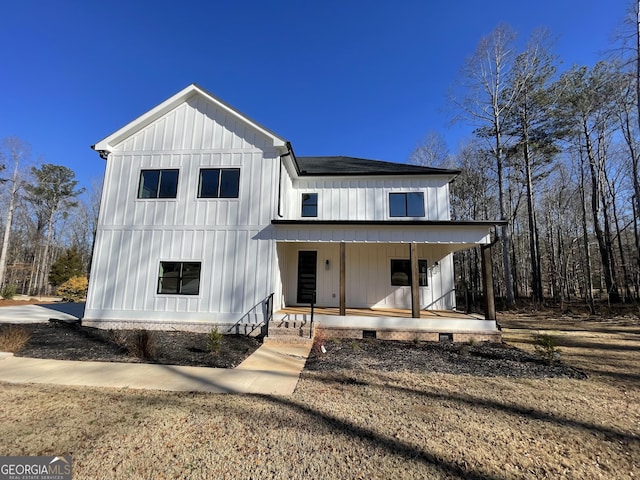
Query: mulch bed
(483,359)
(73,342)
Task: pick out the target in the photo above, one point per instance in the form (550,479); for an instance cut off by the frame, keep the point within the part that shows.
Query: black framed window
(181,278)
(219,183)
(158,184)
(309,204)
(409,204)
(401,273)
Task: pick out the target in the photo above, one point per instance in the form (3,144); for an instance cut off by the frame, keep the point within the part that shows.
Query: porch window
(401,273)
(309,204)
(181,278)
(409,204)
(219,183)
(158,184)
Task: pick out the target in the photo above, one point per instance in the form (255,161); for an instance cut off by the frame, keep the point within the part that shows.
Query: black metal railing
(264,307)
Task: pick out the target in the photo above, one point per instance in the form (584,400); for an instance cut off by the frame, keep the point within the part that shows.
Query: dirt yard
(359,420)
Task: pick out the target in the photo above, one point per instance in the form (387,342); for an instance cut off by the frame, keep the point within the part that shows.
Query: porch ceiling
(458,235)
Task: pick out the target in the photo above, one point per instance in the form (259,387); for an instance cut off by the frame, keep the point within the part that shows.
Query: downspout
(280,185)
(295,164)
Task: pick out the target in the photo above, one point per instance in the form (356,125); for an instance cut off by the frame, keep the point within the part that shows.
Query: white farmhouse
(208,218)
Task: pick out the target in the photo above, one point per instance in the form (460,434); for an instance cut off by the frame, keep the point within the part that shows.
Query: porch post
(415,287)
(487,281)
(343,289)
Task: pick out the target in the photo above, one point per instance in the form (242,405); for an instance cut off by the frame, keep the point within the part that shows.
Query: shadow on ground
(70,308)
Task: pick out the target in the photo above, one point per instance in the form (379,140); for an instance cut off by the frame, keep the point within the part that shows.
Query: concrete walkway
(272,369)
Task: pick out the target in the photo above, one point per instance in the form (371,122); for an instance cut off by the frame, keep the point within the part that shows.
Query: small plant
(472,341)
(118,337)
(355,346)
(546,347)
(13,338)
(74,289)
(8,291)
(143,345)
(214,340)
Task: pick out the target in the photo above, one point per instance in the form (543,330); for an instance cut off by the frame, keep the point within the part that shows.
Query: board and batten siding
(368,275)
(366,198)
(135,235)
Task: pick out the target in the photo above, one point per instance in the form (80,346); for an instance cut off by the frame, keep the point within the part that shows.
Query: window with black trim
(179,278)
(409,204)
(401,273)
(158,184)
(219,183)
(309,204)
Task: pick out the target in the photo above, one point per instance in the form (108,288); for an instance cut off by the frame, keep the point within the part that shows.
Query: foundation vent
(368,334)
(445,337)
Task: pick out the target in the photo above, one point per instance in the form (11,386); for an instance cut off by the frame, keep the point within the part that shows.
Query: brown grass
(358,423)
(13,338)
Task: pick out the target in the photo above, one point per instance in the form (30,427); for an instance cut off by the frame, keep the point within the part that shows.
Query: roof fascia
(106,145)
(450,177)
(414,223)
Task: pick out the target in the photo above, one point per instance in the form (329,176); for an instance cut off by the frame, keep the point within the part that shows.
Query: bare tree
(432,151)
(13,151)
(485,100)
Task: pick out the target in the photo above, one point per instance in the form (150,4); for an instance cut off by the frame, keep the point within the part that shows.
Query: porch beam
(343,289)
(487,281)
(415,287)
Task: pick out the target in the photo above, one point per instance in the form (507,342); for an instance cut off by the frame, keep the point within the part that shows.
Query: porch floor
(381,312)
(395,323)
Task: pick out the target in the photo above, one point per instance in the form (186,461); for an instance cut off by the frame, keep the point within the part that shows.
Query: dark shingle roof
(341,166)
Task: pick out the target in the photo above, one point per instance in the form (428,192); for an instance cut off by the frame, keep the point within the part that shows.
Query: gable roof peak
(106,145)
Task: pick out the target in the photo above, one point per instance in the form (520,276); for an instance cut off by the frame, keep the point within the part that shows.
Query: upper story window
(158,184)
(409,204)
(219,183)
(309,204)
(181,278)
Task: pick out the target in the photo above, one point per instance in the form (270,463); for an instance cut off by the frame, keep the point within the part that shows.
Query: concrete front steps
(289,329)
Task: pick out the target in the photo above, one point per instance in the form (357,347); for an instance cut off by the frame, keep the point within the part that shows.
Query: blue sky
(365,79)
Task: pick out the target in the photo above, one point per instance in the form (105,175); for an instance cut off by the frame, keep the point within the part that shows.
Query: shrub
(143,345)
(8,291)
(74,289)
(214,340)
(67,266)
(118,337)
(13,338)
(546,347)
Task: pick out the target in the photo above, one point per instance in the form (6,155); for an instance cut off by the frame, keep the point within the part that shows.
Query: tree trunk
(536,274)
(596,211)
(504,229)
(8,223)
(585,237)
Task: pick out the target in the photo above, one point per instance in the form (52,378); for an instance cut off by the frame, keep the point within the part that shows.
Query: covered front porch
(390,280)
